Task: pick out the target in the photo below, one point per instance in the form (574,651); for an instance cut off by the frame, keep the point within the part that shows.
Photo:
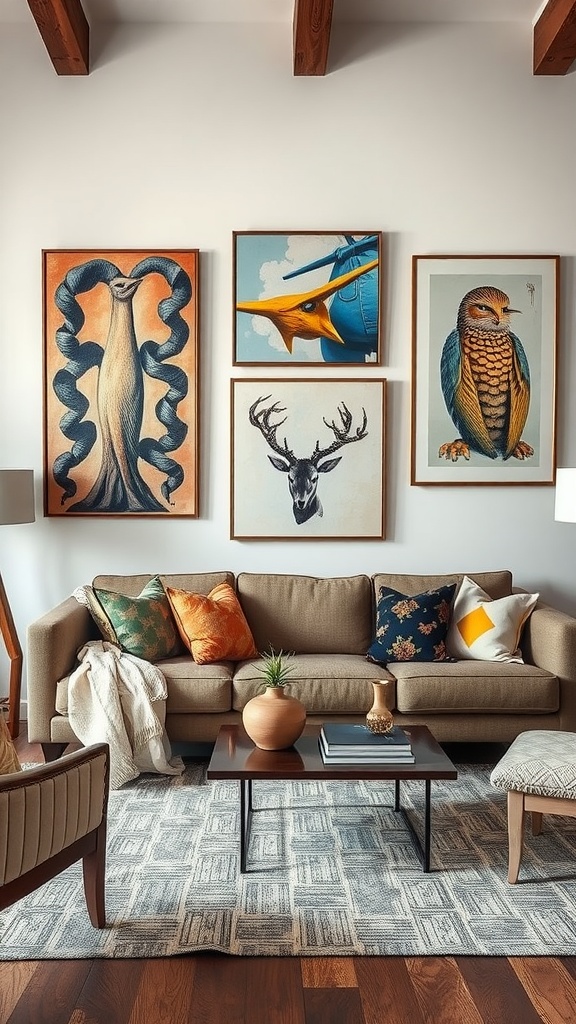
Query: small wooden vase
(273,719)
(380,718)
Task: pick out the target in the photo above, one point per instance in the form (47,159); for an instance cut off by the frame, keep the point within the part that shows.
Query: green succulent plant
(275,668)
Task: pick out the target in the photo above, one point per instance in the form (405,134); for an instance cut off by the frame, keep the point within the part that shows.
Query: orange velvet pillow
(214,628)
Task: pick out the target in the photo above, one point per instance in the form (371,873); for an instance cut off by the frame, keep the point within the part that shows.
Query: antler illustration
(261,420)
(341,434)
(303,473)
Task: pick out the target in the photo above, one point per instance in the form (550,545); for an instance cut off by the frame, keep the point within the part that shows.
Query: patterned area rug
(332,871)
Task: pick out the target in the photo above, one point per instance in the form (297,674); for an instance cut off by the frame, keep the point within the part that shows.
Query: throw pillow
(87,597)
(213,627)
(143,625)
(8,757)
(411,628)
(486,629)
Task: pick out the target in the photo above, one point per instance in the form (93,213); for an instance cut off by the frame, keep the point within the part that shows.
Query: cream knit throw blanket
(118,699)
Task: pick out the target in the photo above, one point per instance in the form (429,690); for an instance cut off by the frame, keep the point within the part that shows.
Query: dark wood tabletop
(235,757)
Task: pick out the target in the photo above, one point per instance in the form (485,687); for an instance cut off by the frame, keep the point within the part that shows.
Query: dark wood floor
(214,989)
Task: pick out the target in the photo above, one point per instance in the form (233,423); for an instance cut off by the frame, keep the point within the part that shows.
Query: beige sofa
(329,624)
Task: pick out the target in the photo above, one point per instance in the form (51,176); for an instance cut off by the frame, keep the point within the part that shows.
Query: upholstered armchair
(52,816)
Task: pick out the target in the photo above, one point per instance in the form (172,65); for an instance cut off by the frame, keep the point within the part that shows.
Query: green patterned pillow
(86,596)
(412,628)
(144,625)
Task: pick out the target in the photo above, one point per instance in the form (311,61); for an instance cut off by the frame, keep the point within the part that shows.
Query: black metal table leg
(246,808)
(422,848)
(427,825)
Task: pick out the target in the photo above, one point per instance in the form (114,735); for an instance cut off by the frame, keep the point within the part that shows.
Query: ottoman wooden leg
(515,833)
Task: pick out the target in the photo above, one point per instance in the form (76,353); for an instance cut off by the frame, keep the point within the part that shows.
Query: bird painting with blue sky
(331,316)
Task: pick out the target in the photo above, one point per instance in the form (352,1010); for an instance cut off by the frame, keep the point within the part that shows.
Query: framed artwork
(307,298)
(484,338)
(120,382)
(307,459)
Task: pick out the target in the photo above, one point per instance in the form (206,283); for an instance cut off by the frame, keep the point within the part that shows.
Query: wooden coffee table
(235,757)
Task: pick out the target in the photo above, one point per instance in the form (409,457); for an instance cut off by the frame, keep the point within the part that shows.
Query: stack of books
(355,744)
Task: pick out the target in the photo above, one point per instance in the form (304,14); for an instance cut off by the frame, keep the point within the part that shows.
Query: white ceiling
(282,10)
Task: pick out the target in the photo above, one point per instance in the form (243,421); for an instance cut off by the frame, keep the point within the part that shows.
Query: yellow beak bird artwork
(333,317)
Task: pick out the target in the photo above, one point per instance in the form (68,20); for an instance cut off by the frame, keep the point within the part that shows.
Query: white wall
(437,135)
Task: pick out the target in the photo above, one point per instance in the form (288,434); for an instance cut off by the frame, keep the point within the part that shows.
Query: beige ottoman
(538,771)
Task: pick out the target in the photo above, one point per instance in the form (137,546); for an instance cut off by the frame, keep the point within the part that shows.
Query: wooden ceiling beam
(555,38)
(311,33)
(65,32)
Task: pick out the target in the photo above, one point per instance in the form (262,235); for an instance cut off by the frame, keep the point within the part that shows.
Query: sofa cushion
(485,629)
(198,582)
(212,626)
(411,628)
(496,584)
(144,625)
(326,684)
(475,686)
(306,614)
(201,689)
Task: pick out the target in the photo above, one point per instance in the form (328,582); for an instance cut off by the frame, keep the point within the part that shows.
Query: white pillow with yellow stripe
(485,629)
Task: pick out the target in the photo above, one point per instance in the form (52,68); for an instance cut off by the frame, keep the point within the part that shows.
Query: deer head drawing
(303,473)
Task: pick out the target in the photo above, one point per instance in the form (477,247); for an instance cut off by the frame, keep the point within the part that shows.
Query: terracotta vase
(273,719)
(380,718)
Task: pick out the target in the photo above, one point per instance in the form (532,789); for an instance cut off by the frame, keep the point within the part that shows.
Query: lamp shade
(565,507)
(16,496)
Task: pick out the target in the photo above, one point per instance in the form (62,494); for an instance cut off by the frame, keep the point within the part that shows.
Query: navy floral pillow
(412,628)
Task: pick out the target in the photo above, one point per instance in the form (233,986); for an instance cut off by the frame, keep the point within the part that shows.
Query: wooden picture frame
(307,459)
(307,298)
(120,382)
(484,341)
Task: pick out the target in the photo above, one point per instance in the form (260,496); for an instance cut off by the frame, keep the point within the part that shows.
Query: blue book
(357,737)
(355,756)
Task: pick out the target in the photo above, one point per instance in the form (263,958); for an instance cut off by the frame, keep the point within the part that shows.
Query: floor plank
(110,991)
(496,990)
(333,1006)
(275,993)
(328,972)
(569,963)
(219,990)
(441,991)
(550,986)
(14,977)
(164,995)
(51,993)
(386,991)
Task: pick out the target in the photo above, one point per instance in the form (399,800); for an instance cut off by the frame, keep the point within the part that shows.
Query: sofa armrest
(549,641)
(52,645)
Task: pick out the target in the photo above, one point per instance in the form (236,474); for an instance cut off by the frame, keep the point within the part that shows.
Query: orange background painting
(96,306)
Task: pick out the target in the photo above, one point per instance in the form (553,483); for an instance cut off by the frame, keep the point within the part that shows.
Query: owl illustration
(485,380)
